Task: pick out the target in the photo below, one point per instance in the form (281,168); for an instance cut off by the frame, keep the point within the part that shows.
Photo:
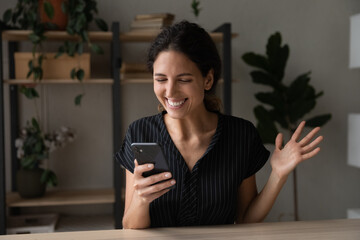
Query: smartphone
(150,153)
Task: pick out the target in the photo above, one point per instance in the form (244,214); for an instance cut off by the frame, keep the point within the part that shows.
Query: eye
(185,80)
(160,79)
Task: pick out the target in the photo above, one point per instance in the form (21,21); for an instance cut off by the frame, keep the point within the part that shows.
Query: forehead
(171,61)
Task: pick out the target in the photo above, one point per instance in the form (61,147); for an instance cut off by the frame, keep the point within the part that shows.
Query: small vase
(29,183)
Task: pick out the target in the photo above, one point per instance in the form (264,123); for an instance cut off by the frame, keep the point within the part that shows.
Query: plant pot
(29,184)
(53,68)
(60,18)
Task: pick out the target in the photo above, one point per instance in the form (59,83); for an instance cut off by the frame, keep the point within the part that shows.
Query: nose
(170,88)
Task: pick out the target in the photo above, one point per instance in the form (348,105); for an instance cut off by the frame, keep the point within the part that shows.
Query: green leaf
(80,6)
(64,7)
(256,60)
(96,48)
(80,48)
(266,125)
(34,38)
(298,87)
(49,9)
(38,147)
(78,99)
(277,55)
(29,73)
(300,108)
(71,49)
(29,93)
(60,51)
(273,99)
(35,124)
(49,177)
(80,74)
(28,162)
(73,73)
(261,77)
(40,59)
(101,24)
(7,16)
(318,121)
(80,23)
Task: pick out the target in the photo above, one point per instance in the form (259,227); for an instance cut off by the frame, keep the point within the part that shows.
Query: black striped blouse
(207,194)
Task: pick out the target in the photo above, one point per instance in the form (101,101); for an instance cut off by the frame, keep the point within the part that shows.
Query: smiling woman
(212,157)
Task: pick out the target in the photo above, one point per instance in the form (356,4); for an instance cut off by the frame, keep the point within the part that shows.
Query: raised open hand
(285,159)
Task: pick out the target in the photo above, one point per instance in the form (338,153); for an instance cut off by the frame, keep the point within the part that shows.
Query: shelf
(98,36)
(63,197)
(59,81)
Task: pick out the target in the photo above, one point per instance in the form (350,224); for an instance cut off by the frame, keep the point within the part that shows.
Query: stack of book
(151,22)
(134,71)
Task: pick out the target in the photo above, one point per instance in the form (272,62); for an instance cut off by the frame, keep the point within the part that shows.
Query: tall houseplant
(285,104)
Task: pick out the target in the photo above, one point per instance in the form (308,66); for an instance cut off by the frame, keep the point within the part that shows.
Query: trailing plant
(25,16)
(80,14)
(285,104)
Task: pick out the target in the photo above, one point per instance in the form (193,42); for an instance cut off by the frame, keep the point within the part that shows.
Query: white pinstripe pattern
(207,195)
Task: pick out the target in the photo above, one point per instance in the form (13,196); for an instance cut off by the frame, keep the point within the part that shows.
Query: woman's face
(179,84)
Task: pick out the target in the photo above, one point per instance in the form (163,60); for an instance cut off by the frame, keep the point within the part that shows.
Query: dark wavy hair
(193,41)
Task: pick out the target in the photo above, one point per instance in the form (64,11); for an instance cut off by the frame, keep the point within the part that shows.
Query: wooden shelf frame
(98,36)
(63,198)
(59,81)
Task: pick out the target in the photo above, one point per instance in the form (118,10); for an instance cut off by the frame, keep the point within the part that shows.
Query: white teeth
(175,104)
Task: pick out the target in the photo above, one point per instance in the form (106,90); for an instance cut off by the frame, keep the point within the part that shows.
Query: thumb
(278,141)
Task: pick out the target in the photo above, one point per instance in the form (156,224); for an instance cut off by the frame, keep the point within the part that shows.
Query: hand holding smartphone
(150,153)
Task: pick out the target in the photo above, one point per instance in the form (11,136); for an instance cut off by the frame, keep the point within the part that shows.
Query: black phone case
(150,153)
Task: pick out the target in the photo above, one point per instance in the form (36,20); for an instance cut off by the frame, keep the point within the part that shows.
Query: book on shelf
(151,22)
(127,67)
(155,15)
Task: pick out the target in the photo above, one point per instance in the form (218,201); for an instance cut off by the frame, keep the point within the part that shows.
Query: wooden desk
(342,229)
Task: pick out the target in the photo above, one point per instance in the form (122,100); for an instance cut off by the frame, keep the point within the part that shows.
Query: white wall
(317,33)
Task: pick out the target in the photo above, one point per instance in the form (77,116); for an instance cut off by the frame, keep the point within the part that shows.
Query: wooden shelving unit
(63,198)
(114,196)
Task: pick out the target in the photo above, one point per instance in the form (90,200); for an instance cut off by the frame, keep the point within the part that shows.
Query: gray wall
(318,35)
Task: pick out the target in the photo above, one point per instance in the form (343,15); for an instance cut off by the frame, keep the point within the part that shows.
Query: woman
(212,157)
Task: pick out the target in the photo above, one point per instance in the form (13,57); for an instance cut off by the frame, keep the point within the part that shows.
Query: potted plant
(285,104)
(80,13)
(33,150)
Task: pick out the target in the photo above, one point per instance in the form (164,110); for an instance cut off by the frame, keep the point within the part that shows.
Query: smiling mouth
(176,103)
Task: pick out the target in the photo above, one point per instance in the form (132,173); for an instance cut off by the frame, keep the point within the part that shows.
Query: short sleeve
(125,155)
(258,154)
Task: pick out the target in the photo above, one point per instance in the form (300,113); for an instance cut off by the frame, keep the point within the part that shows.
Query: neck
(194,125)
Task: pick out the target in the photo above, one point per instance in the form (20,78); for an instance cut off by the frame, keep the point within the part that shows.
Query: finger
(157,178)
(312,145)
(278,141)
(145,182)
(140,169)
(298,131)
(310,154)
(309,136)
(156,188)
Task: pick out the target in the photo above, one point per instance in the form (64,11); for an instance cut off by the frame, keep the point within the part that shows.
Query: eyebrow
(179,75)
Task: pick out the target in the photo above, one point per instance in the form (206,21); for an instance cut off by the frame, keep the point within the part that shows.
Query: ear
(209,80)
